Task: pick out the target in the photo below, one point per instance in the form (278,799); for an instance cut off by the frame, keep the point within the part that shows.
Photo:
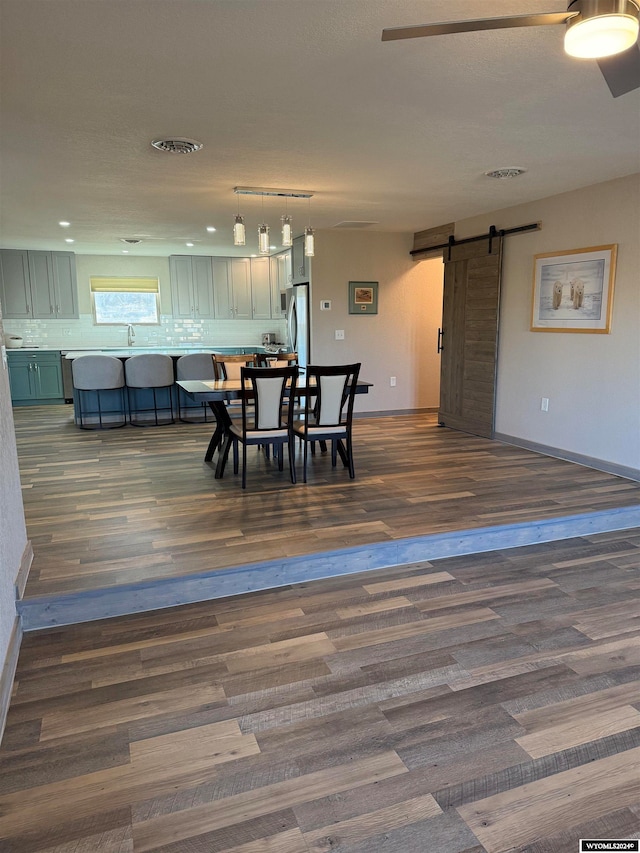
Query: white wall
(13,534)
(592,380)
(400,340)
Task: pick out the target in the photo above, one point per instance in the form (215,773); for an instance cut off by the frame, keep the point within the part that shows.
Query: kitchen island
(114,405)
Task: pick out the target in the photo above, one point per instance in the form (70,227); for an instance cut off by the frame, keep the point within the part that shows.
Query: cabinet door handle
(440,337)
(57,309)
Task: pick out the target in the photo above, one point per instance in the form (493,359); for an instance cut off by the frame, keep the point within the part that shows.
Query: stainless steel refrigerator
(298,322)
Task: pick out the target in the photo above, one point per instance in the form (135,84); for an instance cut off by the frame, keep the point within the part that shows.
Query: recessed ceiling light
(64,224)
(210,229)
(69,240)
(506,172)
(189,244)
(125,251)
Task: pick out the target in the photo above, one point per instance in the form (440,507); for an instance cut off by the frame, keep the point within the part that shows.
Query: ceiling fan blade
(622,72)
(542,19)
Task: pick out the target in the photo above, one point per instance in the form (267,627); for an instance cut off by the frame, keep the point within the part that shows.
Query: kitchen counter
(174,352)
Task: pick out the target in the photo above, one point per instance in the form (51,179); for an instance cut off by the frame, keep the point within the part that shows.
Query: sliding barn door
(470,336)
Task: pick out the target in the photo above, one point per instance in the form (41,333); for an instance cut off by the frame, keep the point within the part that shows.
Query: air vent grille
(177,145)
(507,172)
(354,224)
(132,241)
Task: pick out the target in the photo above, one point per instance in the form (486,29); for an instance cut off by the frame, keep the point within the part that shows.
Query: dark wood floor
(480,703)
(106,508)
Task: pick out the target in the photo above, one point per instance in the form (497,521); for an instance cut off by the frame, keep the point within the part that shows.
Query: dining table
(218,392)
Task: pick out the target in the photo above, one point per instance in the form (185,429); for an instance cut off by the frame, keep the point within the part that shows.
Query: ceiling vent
(177,145)
(506,172)
(354,223)
(132,241)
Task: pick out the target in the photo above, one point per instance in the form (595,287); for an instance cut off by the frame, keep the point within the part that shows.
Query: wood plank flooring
(109,508)
(479,704)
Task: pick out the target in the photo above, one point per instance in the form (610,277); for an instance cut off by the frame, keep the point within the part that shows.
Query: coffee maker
(268,338)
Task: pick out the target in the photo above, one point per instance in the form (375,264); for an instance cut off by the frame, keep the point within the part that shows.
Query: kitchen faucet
(130,335)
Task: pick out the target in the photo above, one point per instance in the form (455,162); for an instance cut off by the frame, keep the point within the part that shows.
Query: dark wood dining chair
(228,366)
(267,415)
(280,359)
(328,411)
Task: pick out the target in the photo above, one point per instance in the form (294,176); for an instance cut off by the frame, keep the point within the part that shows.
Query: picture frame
(363,297)
(573,290)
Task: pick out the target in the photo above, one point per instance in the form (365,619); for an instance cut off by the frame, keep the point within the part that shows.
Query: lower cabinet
(35,378)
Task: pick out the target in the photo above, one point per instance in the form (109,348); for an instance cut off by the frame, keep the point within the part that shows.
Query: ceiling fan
(605,30)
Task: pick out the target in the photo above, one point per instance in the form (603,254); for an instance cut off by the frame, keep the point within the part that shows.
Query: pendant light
(263,239)
(309,239)
(239,237)
(263,235)
(287,233)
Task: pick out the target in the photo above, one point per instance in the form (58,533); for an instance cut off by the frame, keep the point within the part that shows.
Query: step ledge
(40,613)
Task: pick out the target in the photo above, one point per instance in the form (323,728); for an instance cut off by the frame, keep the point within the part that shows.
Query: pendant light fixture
(239,234)
(263,239)
(287,222)
(263,235)
(287,233)
(309,239)
(239,231)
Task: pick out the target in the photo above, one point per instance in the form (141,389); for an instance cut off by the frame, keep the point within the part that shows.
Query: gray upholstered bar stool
(99,383)
(197,365)
(150,378)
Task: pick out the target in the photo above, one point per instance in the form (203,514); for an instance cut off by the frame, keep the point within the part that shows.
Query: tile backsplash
(82,333)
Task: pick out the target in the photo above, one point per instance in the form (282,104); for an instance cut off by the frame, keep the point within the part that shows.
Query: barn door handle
(440,336)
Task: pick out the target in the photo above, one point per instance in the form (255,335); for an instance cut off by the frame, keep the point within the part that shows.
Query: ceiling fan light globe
(600,36)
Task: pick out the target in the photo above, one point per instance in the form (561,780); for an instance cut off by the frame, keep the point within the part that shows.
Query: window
(125,300)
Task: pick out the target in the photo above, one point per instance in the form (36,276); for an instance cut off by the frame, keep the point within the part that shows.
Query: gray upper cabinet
(38,285)
(192,294)
(14,281)
(232,287)
(300,265)
(280,281)
(260,289)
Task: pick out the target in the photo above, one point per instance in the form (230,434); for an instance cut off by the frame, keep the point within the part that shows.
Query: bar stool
(152,372)
(103,376)
(196,366)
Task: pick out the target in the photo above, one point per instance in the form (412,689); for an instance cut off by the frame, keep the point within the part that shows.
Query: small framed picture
(573,290)
(363,297)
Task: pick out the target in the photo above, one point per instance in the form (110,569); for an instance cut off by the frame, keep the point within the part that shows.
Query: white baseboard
(8,672)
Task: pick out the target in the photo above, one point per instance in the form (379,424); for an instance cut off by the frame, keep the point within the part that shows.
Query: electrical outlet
(544,404)
(325,305)
(392,381)
(339,334)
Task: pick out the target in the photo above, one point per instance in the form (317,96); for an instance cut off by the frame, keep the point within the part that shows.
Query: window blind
(122,284)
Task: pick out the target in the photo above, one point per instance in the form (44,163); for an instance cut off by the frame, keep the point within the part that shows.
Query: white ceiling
(289,94)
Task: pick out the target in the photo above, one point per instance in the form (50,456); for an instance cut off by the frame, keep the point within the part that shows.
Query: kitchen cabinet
(191,287)
(242,288)
(300,264)
(280,268)
(38,285)
(35,378)
(260,289)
